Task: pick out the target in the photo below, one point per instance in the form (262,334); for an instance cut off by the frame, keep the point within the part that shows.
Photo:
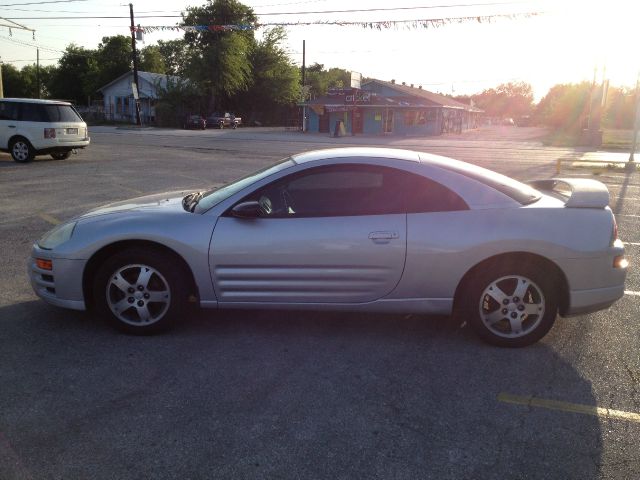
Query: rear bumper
(588,301)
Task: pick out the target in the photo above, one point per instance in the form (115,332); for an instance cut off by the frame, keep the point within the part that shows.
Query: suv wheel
(21,150)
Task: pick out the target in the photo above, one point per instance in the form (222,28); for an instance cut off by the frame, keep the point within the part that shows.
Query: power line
(359,10)
(40,3)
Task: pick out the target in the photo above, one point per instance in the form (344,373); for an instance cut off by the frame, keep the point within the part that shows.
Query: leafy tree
(176,100)
(219,60)
(174,55)
(320,80)
(114,57)
(506,100)
(276,80)
(75,77)
(29,79)
(151,60)
(12,82)
(621,108)
(565,106)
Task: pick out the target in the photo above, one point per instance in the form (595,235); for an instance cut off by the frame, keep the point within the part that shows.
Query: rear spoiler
(580,192)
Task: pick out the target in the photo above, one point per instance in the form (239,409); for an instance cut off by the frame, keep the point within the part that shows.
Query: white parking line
(631,292)
(635,244)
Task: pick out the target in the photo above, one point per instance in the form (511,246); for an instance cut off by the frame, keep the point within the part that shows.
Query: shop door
(388,121)
(357,121)
(323,126)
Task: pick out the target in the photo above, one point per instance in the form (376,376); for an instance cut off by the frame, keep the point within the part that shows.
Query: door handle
(383,235)
(11,126)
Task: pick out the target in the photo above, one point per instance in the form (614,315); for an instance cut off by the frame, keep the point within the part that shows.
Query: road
(299,394)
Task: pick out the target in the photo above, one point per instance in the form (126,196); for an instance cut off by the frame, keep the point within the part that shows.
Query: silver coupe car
(362,229)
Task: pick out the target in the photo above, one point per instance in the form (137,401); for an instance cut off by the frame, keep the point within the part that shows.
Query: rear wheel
(221,125)
(61,155)
(509,305)
(21,150)
(140,291)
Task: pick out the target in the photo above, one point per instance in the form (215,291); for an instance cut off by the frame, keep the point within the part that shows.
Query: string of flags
(381,25)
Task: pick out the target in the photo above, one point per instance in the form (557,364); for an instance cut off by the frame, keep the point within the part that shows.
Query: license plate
(72,131)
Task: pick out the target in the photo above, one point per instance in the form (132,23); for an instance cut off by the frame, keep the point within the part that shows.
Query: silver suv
(30,127)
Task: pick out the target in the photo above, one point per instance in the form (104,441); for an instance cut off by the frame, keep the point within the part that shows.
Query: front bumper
(62,285)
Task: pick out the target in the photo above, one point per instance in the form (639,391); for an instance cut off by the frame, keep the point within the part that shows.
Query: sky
(566,41)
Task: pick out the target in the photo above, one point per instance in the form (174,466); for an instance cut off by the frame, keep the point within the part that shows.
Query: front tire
(21,150)
(140,291)
(509,305)
(61,155)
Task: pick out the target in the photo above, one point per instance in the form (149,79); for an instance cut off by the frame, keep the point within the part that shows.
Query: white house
(119,104)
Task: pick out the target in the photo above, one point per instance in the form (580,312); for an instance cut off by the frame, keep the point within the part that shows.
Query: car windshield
(213,197)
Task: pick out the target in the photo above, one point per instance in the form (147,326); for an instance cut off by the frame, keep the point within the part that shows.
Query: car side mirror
(251,209)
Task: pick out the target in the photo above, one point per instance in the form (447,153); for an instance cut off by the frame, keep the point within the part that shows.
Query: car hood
(160,202)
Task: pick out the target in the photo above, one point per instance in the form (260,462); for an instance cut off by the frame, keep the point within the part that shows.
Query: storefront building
(386,108)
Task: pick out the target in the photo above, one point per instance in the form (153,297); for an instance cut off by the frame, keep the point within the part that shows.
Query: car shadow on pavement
(283,394)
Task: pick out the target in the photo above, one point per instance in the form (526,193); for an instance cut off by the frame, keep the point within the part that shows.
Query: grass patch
(561,138)
(612,139)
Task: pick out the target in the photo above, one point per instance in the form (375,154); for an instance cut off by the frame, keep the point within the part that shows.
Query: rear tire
(61,155)
(21,150)
(508,305)
(140,291)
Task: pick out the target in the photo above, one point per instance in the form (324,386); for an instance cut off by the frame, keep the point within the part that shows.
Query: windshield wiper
(190,201)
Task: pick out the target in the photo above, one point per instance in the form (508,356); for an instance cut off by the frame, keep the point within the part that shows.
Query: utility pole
(636,122)
(1,89)
(37,73)
(304,82)
(135,65)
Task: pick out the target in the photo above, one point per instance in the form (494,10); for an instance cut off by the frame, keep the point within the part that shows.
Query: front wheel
(509,306)
(22,151)
(140,291)
(61,155)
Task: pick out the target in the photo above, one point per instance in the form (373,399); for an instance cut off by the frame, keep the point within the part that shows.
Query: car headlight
(57,236)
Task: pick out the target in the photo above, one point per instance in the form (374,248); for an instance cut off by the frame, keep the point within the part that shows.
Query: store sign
(337,109)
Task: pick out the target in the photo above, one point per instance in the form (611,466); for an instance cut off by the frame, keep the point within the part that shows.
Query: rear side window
(38,112)
(423,195)
(8,111)
(32,112)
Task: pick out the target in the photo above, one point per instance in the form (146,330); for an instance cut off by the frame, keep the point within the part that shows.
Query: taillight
(49,133)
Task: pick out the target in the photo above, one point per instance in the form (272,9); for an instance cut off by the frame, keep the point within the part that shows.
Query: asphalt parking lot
(301,394)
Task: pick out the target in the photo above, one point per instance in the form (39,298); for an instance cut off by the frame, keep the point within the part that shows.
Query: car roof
(35,100)
(356,152)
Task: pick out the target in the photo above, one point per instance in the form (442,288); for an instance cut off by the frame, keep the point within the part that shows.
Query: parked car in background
(30,127)
(359,229)
(223,120)
(194,122)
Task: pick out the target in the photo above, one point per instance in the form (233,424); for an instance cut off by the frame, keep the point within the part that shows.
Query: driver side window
(342,190)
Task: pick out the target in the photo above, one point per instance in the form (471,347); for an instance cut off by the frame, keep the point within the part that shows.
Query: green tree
(320,80)
(151,60)
(176,100)
(219,60)
(511,99)
(12,82)
(565,106)
(174,55)
(75,77)
(276,81)
(113,57)
(621,107)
